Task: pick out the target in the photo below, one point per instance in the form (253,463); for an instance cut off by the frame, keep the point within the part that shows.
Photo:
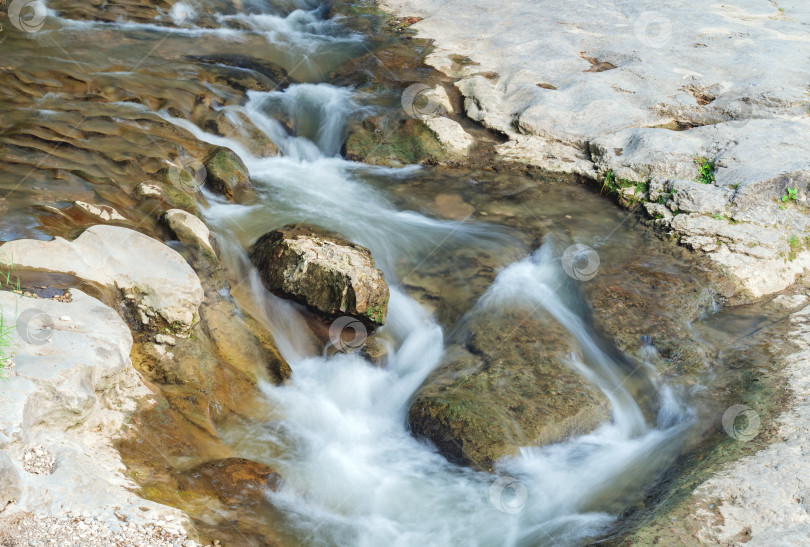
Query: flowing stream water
(353,473)
(337,433)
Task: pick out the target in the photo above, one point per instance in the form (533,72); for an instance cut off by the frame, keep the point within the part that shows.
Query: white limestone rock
(9,481)
(450,133)
(189,229)
(155,276)
(643,89)
(102,213)
(64,402)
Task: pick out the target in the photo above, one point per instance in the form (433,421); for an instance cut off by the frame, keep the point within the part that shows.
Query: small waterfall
(353,474)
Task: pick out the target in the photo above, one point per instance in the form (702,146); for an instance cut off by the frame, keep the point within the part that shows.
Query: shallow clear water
(353,474)
(454,245)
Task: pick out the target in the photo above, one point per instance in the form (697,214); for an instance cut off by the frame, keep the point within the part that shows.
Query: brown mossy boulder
(226,173)
(505,386)
(393,141)
(324,271)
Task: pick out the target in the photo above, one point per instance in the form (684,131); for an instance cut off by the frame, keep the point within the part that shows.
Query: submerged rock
(151,275)
(234,480)
(226,173)
(323,271)
(508,386)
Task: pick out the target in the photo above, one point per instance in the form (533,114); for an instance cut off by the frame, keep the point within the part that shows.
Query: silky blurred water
(454,245)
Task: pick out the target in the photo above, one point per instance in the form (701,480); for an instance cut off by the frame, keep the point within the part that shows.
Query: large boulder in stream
(324,271)
(226,173)
(507,384)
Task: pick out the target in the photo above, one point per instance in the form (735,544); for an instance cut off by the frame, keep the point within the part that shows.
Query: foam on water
(353,474)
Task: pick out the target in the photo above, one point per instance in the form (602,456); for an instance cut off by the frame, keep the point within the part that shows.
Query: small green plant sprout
(609,184)
(664,197)
(791,194)
(705,170)
(5,278)
(718,216)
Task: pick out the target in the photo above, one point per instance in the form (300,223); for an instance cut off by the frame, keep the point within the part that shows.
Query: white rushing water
(353,474)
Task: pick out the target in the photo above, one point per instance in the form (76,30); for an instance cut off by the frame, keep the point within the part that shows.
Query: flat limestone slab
(69,391)
(641,89)
(155,276)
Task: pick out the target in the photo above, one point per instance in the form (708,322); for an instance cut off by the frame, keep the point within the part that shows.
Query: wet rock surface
(324,271)
(507,386)
(226,173)
(234,480)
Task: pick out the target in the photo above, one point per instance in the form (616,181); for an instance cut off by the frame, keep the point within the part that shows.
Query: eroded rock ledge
(636,93)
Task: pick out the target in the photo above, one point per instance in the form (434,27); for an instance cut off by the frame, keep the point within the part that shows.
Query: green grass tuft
(705,170)
(790,195)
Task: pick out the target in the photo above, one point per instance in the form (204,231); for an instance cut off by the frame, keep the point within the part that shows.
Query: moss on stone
(393,143)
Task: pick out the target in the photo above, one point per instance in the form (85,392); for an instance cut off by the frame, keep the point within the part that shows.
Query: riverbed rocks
(158,282)
(189,230)
(454,139)
(324,271)
(393,142)
(505,386)
(226,173)
(234,480)
(641,92)
(99,213)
